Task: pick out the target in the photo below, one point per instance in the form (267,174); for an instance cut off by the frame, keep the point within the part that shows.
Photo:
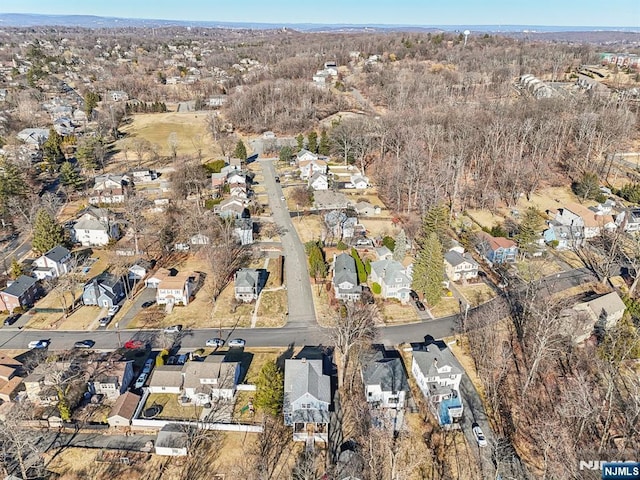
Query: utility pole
(118,334)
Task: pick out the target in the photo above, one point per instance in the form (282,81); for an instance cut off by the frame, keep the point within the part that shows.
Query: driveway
(147,295)
(300,300)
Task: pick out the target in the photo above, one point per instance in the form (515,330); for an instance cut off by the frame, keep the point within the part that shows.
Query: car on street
(11,319)
(113,310)
(237,342)
(480,438)
(140,381)
(148,304)
(282,198)
(277,179)
(39,344)
(420,306)
(84,344)
(148,365)
(133,344)
(414,295)
(104,321)
(173,329)
(214,342)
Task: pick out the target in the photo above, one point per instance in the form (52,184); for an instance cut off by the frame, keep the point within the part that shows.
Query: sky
(605,13)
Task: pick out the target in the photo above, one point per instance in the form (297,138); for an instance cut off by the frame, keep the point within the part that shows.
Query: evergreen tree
(529,229)
(325,146)
(401,247)
(436,220)
(270,389)
(91,100)
(16,269)
(69,176)
(240,151)
(12,183)
(46,232)
(52,148)
(285,154)
(86,153)
(300,141)
(428,270)
(317,263)
(312,141)
(362,272)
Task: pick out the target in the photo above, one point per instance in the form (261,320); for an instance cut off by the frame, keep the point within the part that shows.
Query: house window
(370,394)
(305,406)
(393,400)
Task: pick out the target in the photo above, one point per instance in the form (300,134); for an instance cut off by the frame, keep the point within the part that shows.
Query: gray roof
(244,224)
(387,372)
(382,251)
(20,285)
(57,253)
(429,360)
(213,366)
(454,258)
(302,376)
(344,270)
(607,304)
(166,376)
(391,271)
(105,278)
(173,436)
(247,277)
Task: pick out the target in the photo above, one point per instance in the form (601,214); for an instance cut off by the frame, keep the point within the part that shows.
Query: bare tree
(21,448)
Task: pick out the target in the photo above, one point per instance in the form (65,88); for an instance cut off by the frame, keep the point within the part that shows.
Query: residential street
(301,310)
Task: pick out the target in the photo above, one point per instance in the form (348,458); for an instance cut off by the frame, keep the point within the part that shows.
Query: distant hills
(91,21)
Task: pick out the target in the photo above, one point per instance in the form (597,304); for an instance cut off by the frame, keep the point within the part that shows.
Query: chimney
(303,360)
(435,363)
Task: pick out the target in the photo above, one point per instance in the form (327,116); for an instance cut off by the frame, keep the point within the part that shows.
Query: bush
(214,167)
(376,288)
(630,192)
(587,187)
(341,246)
(209,203)
(389,242)
(362,273)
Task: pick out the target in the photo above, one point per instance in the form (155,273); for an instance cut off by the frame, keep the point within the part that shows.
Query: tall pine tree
(69,176)
(312,141)
(436,220)
(46,232)
(240,151)
(270,389)
(401,247)
(324,148)
(428,270)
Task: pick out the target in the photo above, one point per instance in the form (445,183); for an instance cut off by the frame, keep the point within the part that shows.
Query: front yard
(272,308)
(393,312)
(476,293)
(445,307)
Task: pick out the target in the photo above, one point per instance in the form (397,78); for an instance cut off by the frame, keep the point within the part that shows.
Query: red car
(133,344)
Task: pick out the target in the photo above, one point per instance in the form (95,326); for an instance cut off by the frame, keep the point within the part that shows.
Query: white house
(385,381)
(108,189)
(94,228)
(307,396)
(247,284)
(579,216)
(212,380)
(166,379)
(173,440)
(52,264)
(393,278)
(309,167)
(460,266)
(173,289)
(305,155)
(118,96)
(359,182)
(244,230)
(318,181)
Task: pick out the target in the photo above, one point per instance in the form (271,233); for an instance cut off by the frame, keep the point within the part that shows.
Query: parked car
(282,198)
(140,381)
(172,360)
(148,365)
(420,306)
(39,344)
(133,344)
(11,319)
(104,321)
(84,344)
(113,310)
(182,359)
(480,438)
(214,342)
(237,342)
(414,295)
(173,329)
(277,179)
(148,304)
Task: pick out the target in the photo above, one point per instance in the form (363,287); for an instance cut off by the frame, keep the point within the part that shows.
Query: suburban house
(366,209)
(109,189)
(19,293)
(594,315)
(209,381)
(233,207)
(439,381)
(244,230)
(305,155)
(579,216)
(239,190)
(52,264)
(345,278)
(318,181)
(143,175)
(567,237)
(393,278)
(39,388)
(118,96)
(339,225)
(104,290)
(307,396)
(166,379)
(385,381)
(496,249)
(123,410)
(34,136)
(359,182)
(460,266)
(173,288)
(248,283)
(94,228)
(139,270)
(199,239)
(172,440)
(309,167)
(383,253)
(10,382)
(328,200)
(629,220)
(110,378)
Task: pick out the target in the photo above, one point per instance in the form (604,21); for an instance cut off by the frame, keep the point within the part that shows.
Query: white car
(480,438)
(140,381)
(113,310)
(236,342)
(39,344)
(214,342)
(173,329)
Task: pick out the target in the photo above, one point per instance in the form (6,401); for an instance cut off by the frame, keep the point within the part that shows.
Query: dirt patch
(272,308)
(477,293)
(309,227)
(536,268)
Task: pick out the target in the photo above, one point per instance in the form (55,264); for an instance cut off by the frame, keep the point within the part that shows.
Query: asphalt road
(300,302)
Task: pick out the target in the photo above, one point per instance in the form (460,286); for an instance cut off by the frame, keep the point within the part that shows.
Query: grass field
(324,313)
(445,307)
(273,306)
(171,408)
(309,227)
(395,313)
(476,293)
